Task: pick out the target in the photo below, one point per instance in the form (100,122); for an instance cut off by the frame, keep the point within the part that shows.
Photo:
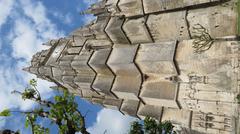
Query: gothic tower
(174,60)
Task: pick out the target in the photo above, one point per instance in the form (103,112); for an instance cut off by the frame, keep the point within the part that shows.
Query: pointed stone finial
(27,69)
(85,12)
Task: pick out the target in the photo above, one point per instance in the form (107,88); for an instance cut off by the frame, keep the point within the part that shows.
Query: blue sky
(24,26)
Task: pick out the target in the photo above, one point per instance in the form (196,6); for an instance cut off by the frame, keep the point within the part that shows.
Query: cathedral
(174,60)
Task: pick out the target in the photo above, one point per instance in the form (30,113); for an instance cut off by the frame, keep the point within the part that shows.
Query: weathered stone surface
(130,88)
(47,71)
(80,62)
(84,81)
(157,59)
(212,61)
(83,32)
(78,40)
(168,26)
(98,61)
(58,48)
(152,6)
(121,61)
(105,77)
(130,107)
(149,110)
(99,26)
(66,57)
(212,123)
(95,43)
(155,93)
(137,31)
(103,83)
(112,103)
(115,32)
(131,7)
(176,116)
(74,50)
(219,21)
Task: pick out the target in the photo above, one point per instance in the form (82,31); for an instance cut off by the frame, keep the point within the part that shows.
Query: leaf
(5,112)
(26,123)
(33,82)
(57,98)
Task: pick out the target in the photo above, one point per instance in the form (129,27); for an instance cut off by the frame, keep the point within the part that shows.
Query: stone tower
(174,60)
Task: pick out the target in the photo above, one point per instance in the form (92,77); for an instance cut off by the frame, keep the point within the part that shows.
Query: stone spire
(137,57)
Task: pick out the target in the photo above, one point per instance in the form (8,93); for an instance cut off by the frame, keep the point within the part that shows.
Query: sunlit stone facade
(139,57)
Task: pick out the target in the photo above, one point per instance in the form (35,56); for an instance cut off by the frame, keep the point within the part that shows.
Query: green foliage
(33,82)
(5,113)
(136,128)
(63,112)
(31,91)
(151,126)
(31,119)
(40,130)
(28,93)
(166,126)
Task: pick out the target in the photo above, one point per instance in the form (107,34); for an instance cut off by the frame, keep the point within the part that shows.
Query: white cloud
(25,40)
(31,27)
(111,122)
(64,18)
(6,7)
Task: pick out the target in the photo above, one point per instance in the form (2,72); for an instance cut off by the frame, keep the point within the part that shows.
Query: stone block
(47,71)
(103,83)
(67,79)
(98,61)
(160,94)
(98,27)
(114,104)
(168,26)
(177,116)
(215,20)
(84,81)
(149,111)
(131,7)
(157,59)
(121,60)
(115,32)
(152,6)
(211,61)
(137,31)
(74,50)
(78,40)
(66,57)
(56,71)
(130,88)
(56,53)
(130,107)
